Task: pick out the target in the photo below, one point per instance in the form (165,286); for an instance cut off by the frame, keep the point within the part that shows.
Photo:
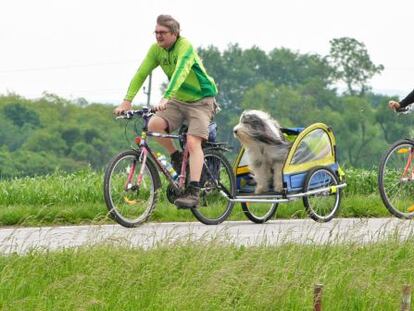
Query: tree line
(39,136)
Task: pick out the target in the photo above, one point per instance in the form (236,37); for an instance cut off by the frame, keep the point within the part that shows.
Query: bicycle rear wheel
(395,179)
(217,176)
(129,196)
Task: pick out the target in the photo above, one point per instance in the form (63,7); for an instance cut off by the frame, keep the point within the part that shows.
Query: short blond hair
(169,22)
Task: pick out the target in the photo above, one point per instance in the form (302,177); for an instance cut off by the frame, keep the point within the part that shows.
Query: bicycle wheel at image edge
(395,179)
(130,202)
(214,207)
(322,206)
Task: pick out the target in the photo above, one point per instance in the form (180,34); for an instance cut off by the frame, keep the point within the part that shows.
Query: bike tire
(396,191)
(214,207)
(324,206)
(259,213)
(130,207)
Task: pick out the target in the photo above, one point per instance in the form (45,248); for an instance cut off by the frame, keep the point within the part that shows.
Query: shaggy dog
(266,148)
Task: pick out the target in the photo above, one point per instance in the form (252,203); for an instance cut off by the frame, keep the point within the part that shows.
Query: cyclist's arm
(148,64)
(185,61)
(409,99)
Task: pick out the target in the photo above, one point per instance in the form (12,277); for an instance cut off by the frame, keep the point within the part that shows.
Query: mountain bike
(132,182)
(396,176)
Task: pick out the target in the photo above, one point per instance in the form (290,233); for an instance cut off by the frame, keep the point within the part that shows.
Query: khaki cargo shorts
(197,115)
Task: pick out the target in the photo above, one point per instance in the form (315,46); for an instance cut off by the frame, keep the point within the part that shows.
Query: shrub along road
(277,232)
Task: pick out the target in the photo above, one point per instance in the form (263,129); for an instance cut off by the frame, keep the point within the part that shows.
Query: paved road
(21,240)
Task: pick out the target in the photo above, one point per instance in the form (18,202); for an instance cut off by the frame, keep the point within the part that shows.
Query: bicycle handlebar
(144,112)
(405,110)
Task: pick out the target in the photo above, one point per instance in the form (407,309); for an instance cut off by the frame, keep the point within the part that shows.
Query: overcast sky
(92,48)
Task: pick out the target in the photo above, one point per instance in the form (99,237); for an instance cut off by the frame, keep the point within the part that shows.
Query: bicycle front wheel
(217,183)
(131,189)
(395,179)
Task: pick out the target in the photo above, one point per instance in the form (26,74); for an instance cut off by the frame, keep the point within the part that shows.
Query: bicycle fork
(407,170)
(407,167)
(142,158)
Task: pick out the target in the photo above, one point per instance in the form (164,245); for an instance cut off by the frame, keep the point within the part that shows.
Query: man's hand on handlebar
(125,106)
(162,105)
(394,105)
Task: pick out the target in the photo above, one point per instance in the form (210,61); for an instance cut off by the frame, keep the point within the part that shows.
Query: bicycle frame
(145,151)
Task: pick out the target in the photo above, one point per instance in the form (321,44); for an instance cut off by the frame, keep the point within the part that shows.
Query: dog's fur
(266,148)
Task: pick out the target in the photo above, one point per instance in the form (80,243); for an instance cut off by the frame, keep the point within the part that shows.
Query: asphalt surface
(276,232)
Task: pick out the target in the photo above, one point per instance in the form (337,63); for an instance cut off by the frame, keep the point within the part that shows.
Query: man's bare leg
(158,124)
(192,196)
(196,156)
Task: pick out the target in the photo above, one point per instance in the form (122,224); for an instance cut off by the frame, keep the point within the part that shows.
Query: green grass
(32,215)
(208,276)
(77,198)
(84,186)
(96,213)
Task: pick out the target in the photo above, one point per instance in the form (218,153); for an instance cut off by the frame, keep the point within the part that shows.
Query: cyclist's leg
(166,122)
(158,124)
(196,156)
(198,116)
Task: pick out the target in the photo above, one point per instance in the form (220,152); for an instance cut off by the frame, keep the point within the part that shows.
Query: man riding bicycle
(189,97)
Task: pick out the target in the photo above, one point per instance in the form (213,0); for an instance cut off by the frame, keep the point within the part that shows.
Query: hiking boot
(189,199)
(176,161)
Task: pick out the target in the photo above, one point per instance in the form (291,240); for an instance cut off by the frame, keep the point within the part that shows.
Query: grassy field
(193,275)
(208,276)
(77,198)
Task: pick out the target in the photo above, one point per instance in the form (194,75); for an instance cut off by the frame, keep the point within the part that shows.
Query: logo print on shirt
(169,61)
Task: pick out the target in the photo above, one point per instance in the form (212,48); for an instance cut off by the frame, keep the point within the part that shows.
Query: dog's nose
(235,131)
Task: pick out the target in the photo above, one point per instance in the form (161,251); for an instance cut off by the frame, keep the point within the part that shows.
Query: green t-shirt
(188,79)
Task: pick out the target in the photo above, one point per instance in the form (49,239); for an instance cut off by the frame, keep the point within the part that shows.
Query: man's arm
(148,64)
(409,99)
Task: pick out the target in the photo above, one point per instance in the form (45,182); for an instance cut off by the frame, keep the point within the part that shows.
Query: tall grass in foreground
(75,198)
(208,276)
